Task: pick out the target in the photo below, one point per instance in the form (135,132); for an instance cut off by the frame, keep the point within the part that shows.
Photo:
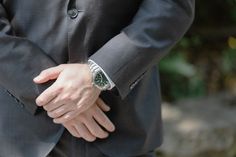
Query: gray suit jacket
(126,38)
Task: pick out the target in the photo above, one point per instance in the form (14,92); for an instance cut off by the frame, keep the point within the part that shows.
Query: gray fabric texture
(127,38)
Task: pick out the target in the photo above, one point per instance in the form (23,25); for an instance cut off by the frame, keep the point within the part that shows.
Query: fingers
(48,74)
(92,124)
(102,119)
(94,128)
(102,105)
(48,95)
(67,112)
(52,106)
(60,111)
(73,131)
(64,113)
(66,117)
(84,132)
(84,104)
(57,108)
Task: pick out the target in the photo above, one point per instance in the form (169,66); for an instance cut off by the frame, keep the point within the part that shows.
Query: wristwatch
(98,77)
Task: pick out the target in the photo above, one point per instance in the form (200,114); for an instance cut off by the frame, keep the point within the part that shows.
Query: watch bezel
(97,72)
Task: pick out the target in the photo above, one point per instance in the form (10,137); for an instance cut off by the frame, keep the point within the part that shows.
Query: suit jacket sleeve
(20,61)
(156,27)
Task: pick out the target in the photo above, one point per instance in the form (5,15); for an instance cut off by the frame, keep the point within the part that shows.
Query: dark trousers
(69,146)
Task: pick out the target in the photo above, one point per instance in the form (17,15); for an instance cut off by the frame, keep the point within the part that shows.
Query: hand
(71,94)
(87,125)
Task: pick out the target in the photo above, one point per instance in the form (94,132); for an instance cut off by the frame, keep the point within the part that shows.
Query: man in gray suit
(64,63)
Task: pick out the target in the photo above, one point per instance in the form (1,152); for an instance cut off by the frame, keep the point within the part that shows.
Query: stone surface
(200,128)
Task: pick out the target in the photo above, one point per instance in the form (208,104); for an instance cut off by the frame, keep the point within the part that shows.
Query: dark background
(203,62)
(198,80)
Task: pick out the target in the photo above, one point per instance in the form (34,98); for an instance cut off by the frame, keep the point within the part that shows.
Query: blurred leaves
(232,42)
(192,71)
(177,65)
(229,69)
(203,62)
(229,59)
(179,78)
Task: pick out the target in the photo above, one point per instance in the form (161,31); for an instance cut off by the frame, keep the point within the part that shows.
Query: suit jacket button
(73,13)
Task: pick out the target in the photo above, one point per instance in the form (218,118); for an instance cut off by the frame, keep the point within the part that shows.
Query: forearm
(156,28)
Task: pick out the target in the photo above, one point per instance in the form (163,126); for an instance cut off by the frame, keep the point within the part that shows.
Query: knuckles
(46,108)
(50,114)
(59,89)
(55,114)
(77,136)
(68,98)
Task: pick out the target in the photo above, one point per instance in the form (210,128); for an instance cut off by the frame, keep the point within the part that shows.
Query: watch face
(100,79)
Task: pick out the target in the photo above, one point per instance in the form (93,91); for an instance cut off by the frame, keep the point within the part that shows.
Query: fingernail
(106,135)
(55,121)
(113,128)
(108,108)
(39,101)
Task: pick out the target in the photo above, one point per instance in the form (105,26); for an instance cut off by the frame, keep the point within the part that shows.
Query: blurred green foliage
(203,62)
(229,61)
(180,78)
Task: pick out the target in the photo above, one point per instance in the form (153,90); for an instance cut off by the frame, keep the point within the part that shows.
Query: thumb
(48,74)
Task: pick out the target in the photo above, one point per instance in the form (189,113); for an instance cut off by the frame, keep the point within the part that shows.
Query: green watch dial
(100,79)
